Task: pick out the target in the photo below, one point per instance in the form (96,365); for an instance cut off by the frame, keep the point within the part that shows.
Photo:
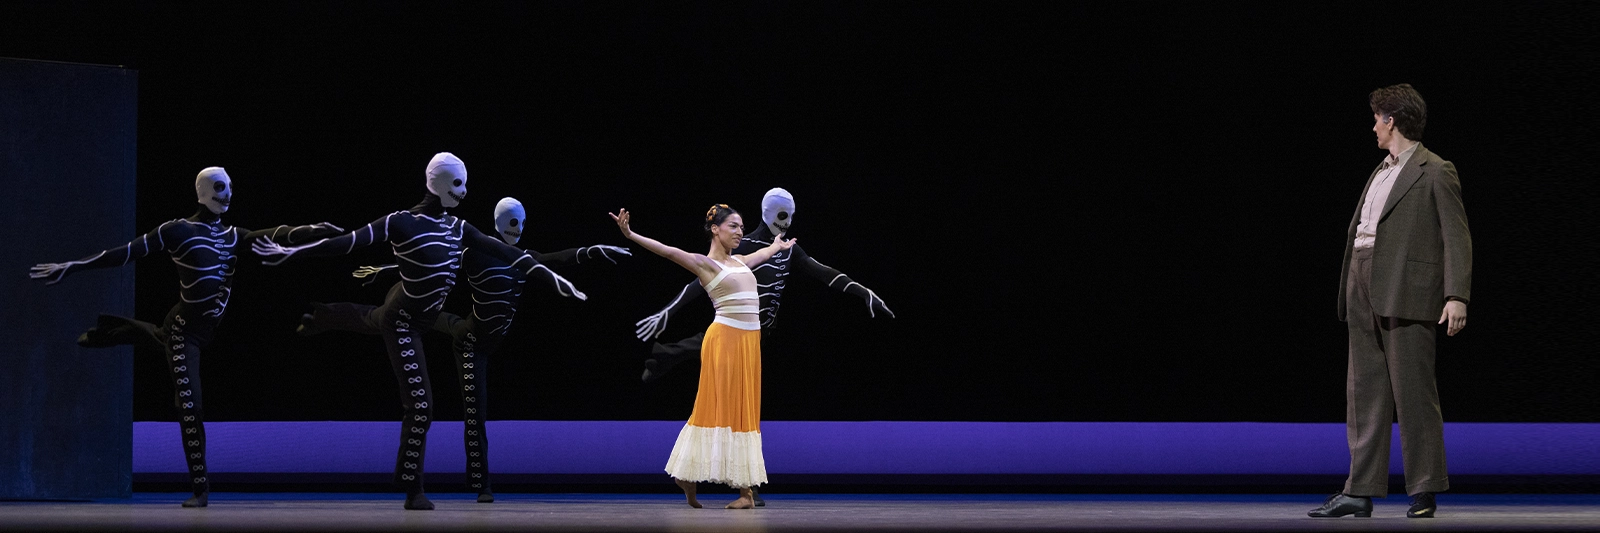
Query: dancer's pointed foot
(418,501)
(689,490)
(112,330)
(662,359)
(199,500)
(745,501)
(652,370)
(307,327)
(486,497)
(93,338)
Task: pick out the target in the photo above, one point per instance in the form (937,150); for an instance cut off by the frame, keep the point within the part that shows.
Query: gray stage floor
(792,512)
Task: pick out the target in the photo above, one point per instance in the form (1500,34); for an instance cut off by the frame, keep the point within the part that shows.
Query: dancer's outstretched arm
(519,259)
(761,256)
(292,235)
(273,253)
(700,265)
(169,233)
(652,326)
(577,256)
(836,280)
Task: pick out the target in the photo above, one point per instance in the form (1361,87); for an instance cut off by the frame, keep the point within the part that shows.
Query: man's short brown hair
(1404,104)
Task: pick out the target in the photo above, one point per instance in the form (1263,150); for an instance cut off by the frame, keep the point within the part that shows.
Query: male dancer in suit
(1407,268)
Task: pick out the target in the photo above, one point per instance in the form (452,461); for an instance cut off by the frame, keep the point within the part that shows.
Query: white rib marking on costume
(197,281)
(423,295)
(436,265)
(445,233)
(433,275)
(192,267)
(490,302)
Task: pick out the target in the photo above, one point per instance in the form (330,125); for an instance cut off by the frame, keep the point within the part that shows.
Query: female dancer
(722,441)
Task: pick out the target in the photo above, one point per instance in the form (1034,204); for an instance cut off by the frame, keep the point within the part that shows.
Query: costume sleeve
(578,256)
(1453,229)
(838,281)
(273,253)
(554,259)
(163,237)
(292,235)
(520,260)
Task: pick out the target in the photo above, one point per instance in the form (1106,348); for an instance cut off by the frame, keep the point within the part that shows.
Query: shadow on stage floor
(796,512)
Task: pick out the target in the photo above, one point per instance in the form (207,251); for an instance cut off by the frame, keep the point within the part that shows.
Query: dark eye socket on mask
(783,215)
(219,186)
(457,182)
(513,222)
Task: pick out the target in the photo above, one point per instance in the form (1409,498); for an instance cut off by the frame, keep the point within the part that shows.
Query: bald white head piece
(777,210)
(447,178)
(510,219)
(214,189)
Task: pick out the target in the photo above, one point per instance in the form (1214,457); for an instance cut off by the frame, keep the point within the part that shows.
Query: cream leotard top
(733,293)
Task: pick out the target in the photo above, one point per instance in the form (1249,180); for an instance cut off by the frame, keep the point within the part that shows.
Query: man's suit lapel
(1408,177)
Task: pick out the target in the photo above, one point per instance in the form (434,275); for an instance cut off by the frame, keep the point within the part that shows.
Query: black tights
(185,334)
(404,342)
(472,370)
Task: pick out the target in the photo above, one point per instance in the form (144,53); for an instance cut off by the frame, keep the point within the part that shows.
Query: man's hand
(1455,312)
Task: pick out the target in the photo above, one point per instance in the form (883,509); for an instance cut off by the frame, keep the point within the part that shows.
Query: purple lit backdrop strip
(543,447)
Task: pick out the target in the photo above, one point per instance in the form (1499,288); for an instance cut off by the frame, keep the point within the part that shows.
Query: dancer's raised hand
(621,216)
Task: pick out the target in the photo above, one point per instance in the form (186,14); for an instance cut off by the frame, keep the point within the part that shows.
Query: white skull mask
(214,189)
(777,210)
(447,178)
(510,219)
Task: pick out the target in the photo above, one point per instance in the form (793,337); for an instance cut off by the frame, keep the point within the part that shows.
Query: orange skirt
(722,441)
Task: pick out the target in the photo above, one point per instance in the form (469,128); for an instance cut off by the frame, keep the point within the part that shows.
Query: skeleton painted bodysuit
(428,243)
(771,277)
(204,250)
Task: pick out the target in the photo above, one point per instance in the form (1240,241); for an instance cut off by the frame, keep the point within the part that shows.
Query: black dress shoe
(1342,504)
(1422,506)
(757,497)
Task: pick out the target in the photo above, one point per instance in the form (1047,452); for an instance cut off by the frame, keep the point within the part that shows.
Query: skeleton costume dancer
(777,213)
(202,247)
(721,442)
(496,288)
(429,243)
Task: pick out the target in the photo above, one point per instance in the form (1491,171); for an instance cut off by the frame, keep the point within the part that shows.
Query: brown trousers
(1390,376)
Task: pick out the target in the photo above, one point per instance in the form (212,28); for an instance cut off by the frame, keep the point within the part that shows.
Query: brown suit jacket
(1423,253)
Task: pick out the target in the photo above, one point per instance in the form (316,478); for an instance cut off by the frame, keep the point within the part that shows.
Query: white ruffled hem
(718,455)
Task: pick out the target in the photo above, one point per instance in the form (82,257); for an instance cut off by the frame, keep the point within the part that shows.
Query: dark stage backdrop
(1115,211)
